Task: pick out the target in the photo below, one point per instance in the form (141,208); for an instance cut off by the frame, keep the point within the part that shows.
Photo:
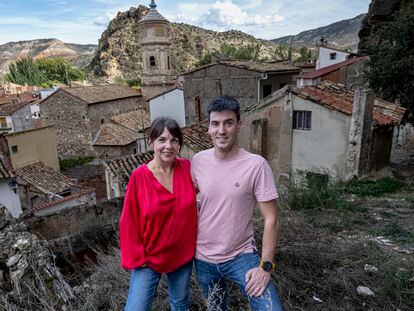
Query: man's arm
(256,278)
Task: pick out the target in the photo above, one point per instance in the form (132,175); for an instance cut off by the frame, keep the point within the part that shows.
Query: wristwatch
(267,265)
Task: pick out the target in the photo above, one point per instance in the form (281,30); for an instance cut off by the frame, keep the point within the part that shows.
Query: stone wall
(268,131)
(101,113)
(213,81)
(403,144)
(113,152)
(72,124)
(22,119)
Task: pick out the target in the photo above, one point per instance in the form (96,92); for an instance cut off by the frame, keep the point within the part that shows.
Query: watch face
(267,266)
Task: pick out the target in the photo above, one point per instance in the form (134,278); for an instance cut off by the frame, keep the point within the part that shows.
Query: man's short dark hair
(224,103)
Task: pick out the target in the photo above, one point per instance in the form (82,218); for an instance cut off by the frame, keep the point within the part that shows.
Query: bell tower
(155,52)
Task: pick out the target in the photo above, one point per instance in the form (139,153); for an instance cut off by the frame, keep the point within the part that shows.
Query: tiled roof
(6,171)
(282,66)
(196,137)
(44,178)
(126,165)
(153,15)
(336,96)
(101,93)
(55,200)
(111,134)
(174,87)
(136,120)
(325,70)
(9,107)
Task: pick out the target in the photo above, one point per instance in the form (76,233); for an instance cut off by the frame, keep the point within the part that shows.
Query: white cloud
(226,14)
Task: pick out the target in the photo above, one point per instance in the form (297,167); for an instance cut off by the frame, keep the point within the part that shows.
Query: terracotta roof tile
(336,96)
(196,137)
(111,134)
(136,120)
(10,107)
(102,93)
(126,165)
(283,66)
(323,71)
(55,201)
(44,178)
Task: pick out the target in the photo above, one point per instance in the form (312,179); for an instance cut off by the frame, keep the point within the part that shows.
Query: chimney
(360,135)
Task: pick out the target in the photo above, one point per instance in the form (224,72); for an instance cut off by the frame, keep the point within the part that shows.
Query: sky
(83,21)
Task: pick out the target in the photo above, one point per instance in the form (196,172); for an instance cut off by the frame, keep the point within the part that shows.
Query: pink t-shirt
(230,190)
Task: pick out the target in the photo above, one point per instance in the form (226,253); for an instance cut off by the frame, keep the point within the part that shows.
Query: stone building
(350,72)
(155,48)
(321,129)
(78,113)
(247,81)
(124,135)
(45,191)
(15,112)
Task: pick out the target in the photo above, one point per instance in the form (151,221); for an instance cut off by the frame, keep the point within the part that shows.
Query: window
(267,90)
(168,63)
(152,61)
(332,56)
(302,120)
(102,121)
(3,122)
(282,85)
(14,149)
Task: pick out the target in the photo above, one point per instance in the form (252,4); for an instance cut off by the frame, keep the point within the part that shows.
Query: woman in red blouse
(158,226)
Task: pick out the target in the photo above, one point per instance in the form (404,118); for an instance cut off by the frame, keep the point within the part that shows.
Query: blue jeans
(211,278)
(144,282)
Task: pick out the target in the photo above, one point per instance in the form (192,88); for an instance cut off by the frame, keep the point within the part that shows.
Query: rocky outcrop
(78,54)
(342,35)
(379,14)
(119,52)
(29,279)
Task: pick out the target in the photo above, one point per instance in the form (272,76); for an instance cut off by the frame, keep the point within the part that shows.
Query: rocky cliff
(379,14)
(119,51)
(342,35)
(78,54)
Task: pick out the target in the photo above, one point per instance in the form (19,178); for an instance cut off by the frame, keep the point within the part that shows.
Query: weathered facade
(246,81)
(39,144)
(323,129)
(78,113)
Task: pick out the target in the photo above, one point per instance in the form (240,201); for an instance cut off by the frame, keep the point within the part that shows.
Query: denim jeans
(211,278)
(144,282)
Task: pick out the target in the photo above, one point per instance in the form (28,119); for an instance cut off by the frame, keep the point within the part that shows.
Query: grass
(373,188)
(69,163)
(395,232)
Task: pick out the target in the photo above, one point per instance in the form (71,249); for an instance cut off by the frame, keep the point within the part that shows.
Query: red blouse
(158,228)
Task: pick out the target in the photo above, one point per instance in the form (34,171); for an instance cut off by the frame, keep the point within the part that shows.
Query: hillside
(79,55)
(342,35)
(119,52)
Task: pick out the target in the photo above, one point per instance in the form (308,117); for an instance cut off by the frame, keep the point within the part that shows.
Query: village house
(117,171)
(15,112)
(45,191)
(124,135)
(350,72)
(9,196)
(328,56)
(322,129)
(30,146)
(78,113)
(13,88)
(247,81)
(168,104)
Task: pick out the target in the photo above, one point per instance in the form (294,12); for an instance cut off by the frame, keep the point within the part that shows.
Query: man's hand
(256,281)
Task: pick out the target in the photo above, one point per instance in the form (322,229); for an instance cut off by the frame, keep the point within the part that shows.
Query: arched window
(168,63)
(152,61)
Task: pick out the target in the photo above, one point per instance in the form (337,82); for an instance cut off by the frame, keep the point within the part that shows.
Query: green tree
(204,60)
(247,52)
(283,52)
(59,69)
(391,72)
(24,71)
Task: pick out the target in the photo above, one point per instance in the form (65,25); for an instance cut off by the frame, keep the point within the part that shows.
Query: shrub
(373,188)
(69,163)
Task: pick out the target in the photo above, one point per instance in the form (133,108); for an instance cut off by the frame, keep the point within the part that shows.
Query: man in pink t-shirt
(231,181)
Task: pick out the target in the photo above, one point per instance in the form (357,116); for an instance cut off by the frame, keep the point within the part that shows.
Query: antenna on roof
(153,5)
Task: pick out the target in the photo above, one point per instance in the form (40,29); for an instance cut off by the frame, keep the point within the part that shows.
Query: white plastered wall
(10,199)
(170,104)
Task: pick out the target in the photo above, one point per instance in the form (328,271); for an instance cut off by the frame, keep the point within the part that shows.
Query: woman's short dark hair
(161,123)
(224,103)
